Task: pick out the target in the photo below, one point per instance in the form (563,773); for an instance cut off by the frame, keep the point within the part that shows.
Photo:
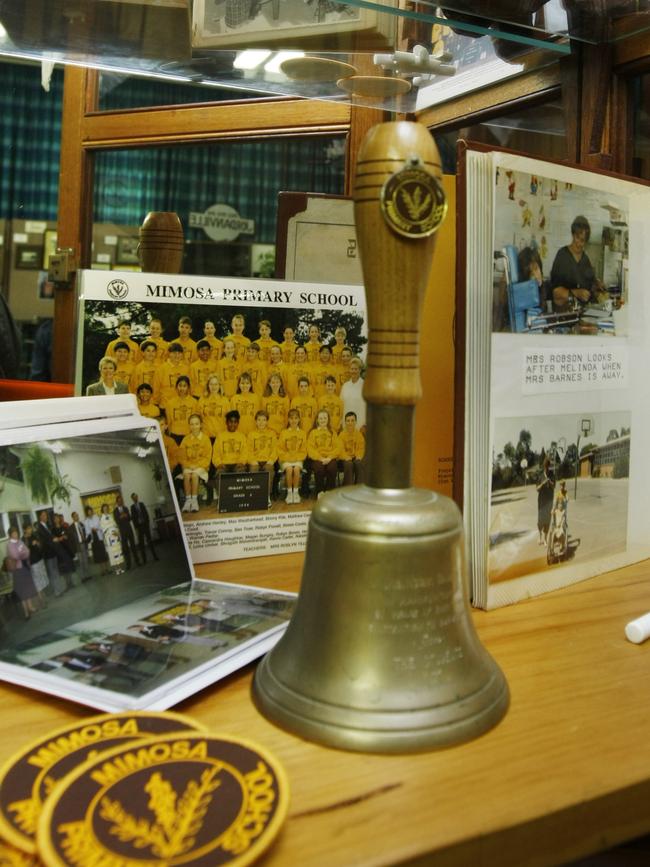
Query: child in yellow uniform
(146,370)
(124,336)
(195,454)
(237,335)
(123,366)
(343,373)
(288,345)
(352,450)
(168,373)
(147,407)
(256,369)
(179,409)
(313,345)
(306,404)
(230,450)
(292,452)
(187,344)
(202,369)
(300,368)
(276,403)
(247,403)
(262,446)
(331,402)
(210,334)
(213,407)
(321,370)
(171,446)
(277,365)
(339,343)
(323,450)
(156,335)
(229,368)
(265,341)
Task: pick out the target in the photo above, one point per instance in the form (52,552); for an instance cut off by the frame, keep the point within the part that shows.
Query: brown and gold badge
(29,777)
(185,799)
(413,202)
(11,857)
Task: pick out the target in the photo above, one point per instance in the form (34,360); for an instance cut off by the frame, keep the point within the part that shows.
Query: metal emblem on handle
(413,202)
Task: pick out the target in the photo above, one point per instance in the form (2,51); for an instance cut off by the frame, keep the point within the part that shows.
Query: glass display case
(397,55)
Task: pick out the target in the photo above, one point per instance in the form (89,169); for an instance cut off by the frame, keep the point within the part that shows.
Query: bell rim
(398,739)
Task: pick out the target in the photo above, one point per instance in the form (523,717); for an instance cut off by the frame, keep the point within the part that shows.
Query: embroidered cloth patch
(27,778)
(190,799)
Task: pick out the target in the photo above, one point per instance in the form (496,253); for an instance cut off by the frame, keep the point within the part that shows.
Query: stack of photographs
(98,599)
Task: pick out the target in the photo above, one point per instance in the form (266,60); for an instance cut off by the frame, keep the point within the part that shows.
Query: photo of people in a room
(87,524)
(261,408)
(559,491)
(560,257)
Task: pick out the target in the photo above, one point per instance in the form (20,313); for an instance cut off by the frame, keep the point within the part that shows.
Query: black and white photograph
(559,491)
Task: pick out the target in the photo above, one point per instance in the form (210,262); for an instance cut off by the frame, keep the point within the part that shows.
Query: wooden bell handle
(395,267)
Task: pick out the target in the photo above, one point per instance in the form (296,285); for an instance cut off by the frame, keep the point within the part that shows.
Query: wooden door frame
(86,131)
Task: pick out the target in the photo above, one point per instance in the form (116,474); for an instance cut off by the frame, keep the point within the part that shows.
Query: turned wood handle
(161,243)
(395,267)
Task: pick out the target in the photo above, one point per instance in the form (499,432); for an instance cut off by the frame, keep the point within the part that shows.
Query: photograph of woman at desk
(561,256)
(573,279)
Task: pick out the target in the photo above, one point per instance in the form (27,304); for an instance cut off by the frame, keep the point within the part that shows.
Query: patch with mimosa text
(12,857)
(190,799)
(28,778)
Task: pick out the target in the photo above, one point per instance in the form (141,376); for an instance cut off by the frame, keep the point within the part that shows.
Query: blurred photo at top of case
(317,24)
(587,20)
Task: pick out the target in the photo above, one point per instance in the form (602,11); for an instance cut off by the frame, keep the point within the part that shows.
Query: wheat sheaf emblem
(178,819)
(415,204)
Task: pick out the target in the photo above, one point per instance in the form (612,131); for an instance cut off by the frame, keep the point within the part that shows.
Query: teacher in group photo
(107,384)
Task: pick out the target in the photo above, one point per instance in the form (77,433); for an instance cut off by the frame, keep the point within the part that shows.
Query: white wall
(90,472)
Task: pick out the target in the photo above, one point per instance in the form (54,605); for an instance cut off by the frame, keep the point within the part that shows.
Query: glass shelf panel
(461,52)
(527,21)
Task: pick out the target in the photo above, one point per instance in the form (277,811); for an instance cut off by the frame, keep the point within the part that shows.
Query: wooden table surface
(566,773)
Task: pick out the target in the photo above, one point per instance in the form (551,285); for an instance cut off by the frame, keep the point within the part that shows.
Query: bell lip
(402,738)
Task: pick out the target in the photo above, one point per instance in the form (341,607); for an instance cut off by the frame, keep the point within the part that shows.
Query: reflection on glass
(29,184)
(224,193)
(122,91)
(641,148)
(538,131)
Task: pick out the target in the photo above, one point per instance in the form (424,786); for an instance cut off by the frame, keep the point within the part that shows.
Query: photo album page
(557,394)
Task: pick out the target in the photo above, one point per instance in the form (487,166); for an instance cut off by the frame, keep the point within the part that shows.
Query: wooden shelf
(566,773)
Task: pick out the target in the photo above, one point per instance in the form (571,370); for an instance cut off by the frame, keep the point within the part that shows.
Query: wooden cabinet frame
(86,131)
(593,82)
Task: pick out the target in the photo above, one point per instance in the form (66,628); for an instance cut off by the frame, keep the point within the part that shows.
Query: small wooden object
(161,243)
(374,86)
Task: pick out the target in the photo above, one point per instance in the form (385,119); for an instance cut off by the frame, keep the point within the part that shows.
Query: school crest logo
(413,202)
(178,800)
(117,289)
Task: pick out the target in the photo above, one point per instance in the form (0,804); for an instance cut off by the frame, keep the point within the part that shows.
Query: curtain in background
(31,142)
(244,174)
(128,183)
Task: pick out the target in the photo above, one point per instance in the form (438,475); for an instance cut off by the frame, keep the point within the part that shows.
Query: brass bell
(381,654)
